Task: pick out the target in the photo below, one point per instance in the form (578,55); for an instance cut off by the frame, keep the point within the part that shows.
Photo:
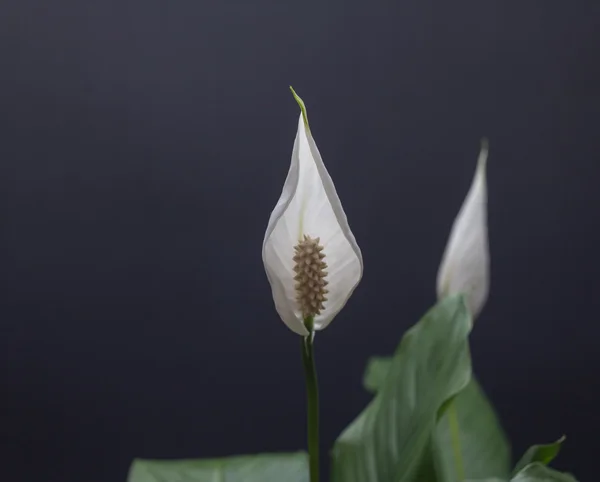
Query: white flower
(465,264)
(310,255)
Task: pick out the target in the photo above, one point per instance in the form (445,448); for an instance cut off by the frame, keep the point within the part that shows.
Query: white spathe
(465,265)
(309,205)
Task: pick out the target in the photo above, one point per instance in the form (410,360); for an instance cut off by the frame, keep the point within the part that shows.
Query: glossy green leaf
(538,472)
(376,372)
(390,441)
(495,479)
(292,467)
(469,442)
(540,453)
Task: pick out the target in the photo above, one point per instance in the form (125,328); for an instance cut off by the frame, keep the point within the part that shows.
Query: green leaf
(390,441)
(376,372)
(495,479)
(292,467)
(468,438)
(469,442)
(538,472)
(540,453)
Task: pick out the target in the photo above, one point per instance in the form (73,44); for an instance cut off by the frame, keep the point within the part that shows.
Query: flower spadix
(310,255)
(465,263)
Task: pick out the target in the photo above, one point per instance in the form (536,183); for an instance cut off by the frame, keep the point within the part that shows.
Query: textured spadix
(309,208)
(465,264)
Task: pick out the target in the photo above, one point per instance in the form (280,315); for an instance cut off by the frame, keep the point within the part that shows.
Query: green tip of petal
(483,154)
(485,144)
(302,107)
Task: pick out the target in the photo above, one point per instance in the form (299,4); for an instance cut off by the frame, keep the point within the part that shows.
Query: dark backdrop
(143,145)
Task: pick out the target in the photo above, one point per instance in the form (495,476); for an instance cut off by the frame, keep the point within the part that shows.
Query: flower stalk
(312,399)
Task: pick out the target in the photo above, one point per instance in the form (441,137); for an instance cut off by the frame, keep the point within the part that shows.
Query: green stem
(312,398)
(455,437)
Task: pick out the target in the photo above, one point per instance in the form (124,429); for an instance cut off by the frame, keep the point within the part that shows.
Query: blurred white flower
(310,255)
(465,264)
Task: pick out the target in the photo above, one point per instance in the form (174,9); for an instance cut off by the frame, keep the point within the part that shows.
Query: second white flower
(465,264)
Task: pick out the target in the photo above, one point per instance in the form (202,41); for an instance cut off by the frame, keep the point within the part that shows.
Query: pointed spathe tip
(298,99)
(302,107)
(483,154)
(485,144)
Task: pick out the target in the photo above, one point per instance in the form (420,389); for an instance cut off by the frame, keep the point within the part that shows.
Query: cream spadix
(465,263)
(311,258)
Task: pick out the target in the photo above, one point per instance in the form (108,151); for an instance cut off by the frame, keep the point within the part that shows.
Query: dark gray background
(143,145)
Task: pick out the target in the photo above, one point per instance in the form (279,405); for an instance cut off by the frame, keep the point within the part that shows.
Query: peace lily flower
(465,264)
(310,255)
